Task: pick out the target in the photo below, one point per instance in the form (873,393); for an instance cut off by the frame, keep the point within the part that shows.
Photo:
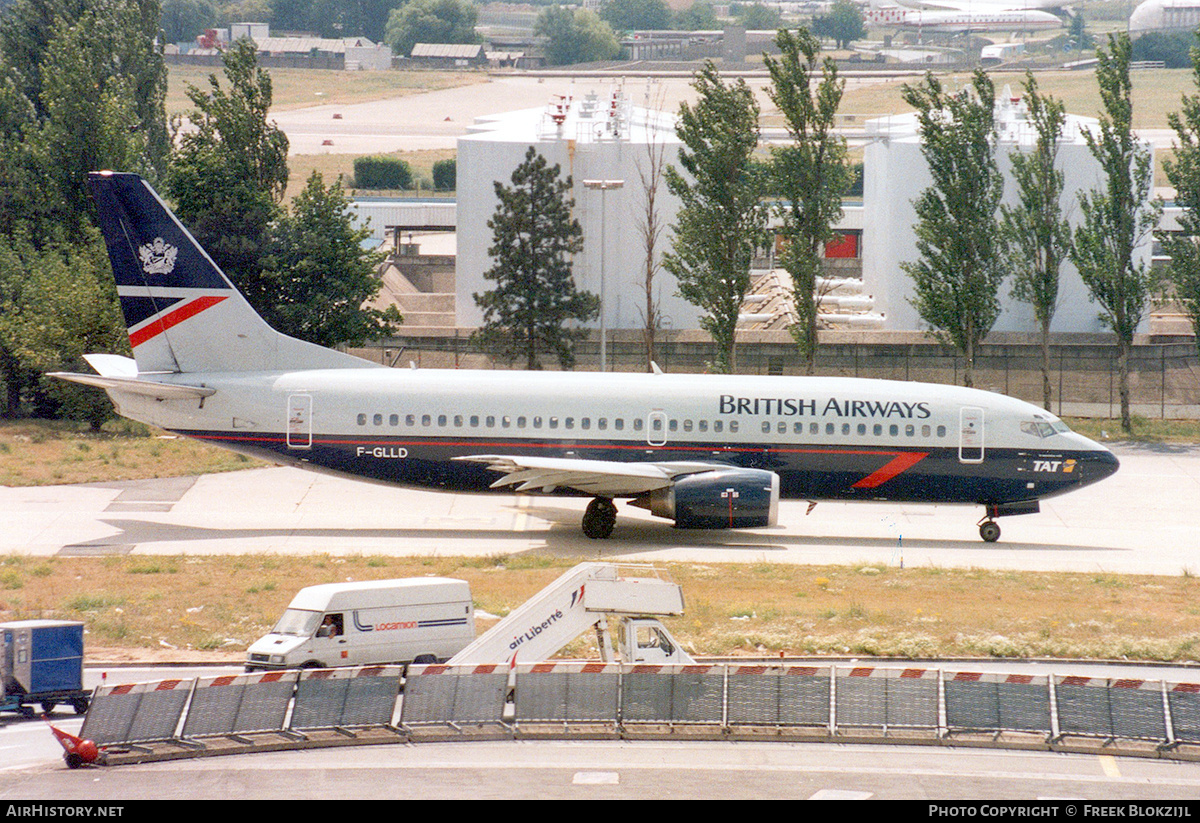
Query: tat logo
(1064,466)
(158,257)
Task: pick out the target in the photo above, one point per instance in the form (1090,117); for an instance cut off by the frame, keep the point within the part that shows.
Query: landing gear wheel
(989,530)
(599,518)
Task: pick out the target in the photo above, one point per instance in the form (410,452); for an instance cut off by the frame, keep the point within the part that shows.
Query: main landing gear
(599,518)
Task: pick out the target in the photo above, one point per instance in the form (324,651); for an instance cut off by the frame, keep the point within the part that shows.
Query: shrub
(379,172)
(444,174)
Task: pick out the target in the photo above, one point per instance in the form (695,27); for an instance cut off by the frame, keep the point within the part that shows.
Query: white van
(417,619)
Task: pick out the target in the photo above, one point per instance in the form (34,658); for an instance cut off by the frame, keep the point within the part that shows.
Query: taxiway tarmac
(1144,519)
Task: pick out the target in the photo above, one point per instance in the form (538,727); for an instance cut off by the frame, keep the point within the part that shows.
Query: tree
(843,24)
(183,20)
(758,17)
(810,172)
(430,21)
(1184,174)
(721,216)
(1119,216)
(82,86)
(699,16)
(85,85)
(575,36)
(957,278)
(322,275)
(57,302)
(630,15)
(1037,237)
(229,173)
(649,222)
(534,236)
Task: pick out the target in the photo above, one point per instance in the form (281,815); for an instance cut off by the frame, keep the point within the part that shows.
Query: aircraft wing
(604,478)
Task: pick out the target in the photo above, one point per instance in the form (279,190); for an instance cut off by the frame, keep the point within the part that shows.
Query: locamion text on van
(412,620)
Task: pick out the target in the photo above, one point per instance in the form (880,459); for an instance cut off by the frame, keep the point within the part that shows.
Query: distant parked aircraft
(973,17)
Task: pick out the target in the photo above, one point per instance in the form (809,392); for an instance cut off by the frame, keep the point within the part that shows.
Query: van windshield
(298,622)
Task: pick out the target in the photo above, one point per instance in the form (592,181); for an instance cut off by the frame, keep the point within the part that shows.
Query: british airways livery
(705,451)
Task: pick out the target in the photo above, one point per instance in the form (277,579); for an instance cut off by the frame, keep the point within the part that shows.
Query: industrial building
(604,143)
(895,176)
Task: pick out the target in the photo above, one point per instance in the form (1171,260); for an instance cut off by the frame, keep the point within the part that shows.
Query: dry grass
(151,603)
(1156,93)
(335,166)
(41,453)
(298,88)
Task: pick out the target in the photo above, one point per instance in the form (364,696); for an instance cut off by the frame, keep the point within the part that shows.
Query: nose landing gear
(989,530)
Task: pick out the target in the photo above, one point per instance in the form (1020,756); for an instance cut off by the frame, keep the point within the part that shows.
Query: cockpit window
(1043,428)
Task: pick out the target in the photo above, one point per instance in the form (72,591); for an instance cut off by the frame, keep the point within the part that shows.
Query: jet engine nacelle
(722,499)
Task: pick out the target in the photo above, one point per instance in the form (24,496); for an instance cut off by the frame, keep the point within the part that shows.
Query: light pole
(603,186)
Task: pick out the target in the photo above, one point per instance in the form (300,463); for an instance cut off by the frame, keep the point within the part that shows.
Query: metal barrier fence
(295,701)
(574,698)
(831,700)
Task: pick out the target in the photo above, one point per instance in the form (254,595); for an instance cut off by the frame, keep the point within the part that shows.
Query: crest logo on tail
(158,257)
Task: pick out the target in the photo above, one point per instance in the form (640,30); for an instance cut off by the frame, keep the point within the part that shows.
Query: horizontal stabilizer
(133,385)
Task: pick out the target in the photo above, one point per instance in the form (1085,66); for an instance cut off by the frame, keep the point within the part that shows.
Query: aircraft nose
(1099,464)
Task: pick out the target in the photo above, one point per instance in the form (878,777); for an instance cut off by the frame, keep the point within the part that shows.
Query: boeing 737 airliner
(708,452)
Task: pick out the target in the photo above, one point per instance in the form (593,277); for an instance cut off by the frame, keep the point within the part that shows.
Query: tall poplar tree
(958,275)
(810,172)
(535,298)
(1037,236)
(1184,174)
(721,217)
(1120,216)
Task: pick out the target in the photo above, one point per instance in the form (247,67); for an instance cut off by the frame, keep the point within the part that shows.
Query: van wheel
(313,664)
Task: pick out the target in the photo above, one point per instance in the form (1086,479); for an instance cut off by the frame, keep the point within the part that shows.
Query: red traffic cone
(77,751)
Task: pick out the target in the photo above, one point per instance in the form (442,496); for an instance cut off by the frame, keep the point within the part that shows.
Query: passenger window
(829,429)
(441,420)
(910,430)
(521,421)
(637,424)
(490,421)
(362,420)
(687,425)
(377,419)
(393,420)
(474,421)
(893,430)
(733,426)
(718,425)
(878,429)
(814,428)
(925,431)
(585,422)
(862,428)
(702,425)
(426,420)
(846,428)
(537,422)
(619,424)
(673,425)
(505,422)
(656,424)
(410,420)
(941,431)
(570,422)
(602,423)
(554,422)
